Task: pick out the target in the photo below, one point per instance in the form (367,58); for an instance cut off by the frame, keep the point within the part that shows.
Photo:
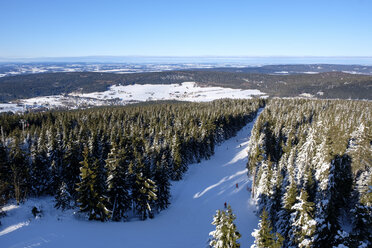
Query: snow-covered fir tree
(4,172)
(226,234)
(264,237)
(63,198)
(71,164)
(303,222)
(118,183)
(161,179)
(90,198)
(20,176)
(144,196)
(41,177)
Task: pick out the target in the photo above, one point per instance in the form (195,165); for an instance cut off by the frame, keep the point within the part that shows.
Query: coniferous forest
(310,162)
(186,124)
(113,163)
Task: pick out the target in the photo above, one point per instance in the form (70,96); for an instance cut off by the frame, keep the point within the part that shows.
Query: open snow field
(10,107)
(125,94)
(187,91)
(186,223)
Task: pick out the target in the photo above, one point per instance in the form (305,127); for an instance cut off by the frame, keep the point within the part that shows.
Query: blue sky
(64,28)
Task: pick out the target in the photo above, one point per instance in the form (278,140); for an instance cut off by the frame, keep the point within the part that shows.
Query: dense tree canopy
(110,160)
(311,166)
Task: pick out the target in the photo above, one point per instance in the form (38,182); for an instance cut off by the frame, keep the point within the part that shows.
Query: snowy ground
(186,223)
(187,91)
(11,107)
(124,94)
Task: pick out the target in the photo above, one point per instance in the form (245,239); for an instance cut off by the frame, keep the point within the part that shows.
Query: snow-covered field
(306,95)
(122,95)
(10,107)
(188,91)
(186,223)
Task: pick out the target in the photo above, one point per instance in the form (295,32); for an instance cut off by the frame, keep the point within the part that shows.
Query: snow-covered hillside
(122,95)
(187,91)
(186,223)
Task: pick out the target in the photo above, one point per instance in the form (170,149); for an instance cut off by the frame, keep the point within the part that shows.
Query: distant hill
(321,85)
(297,69)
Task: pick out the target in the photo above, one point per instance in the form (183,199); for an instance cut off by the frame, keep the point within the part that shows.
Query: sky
(72,28)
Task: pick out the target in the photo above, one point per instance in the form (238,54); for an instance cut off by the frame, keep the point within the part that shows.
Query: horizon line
(193,56)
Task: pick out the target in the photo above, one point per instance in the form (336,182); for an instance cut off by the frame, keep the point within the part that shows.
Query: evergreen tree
(178,168)
(5,171)
(263,235)
(118,183)
(19,172)
(333,199)
(4,181)
(264,184)
(54,152)
(362,221)
(283,224)
(90,197)
(362,225)
(40,171)
(276,197)
(226,234)
(71,165)
(161,179)
(63,198)
(309,183)
(303,222)
(144,196)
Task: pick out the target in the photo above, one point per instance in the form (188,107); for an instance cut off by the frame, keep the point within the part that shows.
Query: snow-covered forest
(115,162)
(310,161)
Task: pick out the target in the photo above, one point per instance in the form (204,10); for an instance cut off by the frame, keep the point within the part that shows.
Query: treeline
(112,162)
(310,161)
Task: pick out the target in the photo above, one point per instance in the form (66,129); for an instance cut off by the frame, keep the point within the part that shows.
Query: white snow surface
(126,94)
(12,107)
(187,91)
(281,72)
(186,223)
(306,95)
(311,72)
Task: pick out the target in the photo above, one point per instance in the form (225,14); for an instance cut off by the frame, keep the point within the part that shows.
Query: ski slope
(186,223)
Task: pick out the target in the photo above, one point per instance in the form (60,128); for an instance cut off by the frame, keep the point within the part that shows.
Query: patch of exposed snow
(9,207)
(11,107)
(352,72)
(306,95)
(122,95)
(188,91)
(14,227)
